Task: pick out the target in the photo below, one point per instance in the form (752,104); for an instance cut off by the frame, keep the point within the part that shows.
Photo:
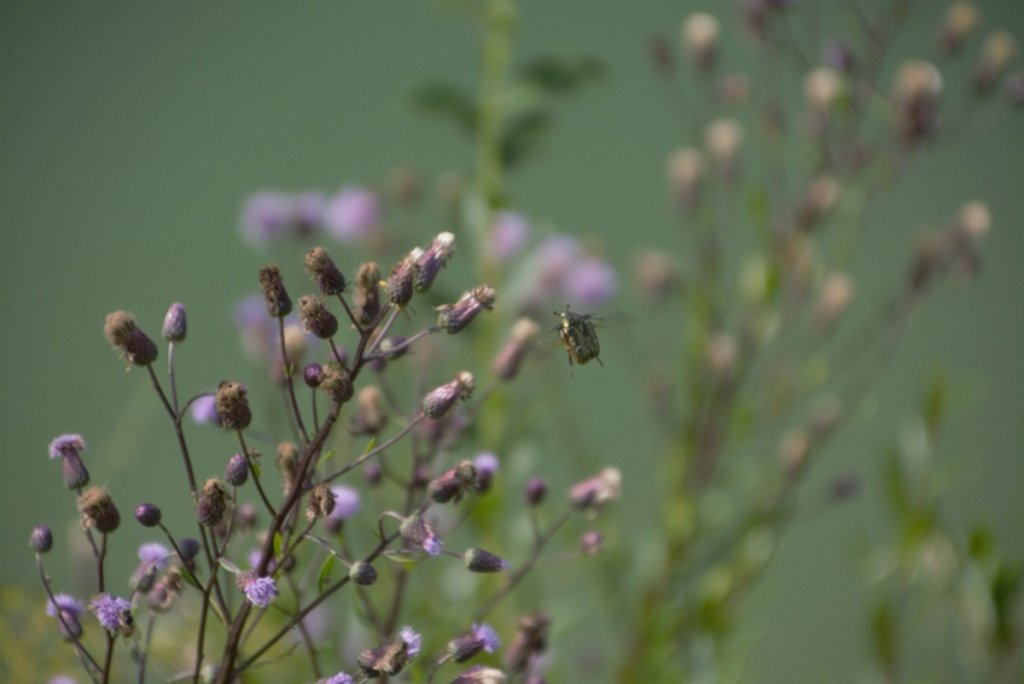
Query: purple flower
(66,445)
(67,604)
(61,679)
(266,216)
(412,641)
(433,546)
(259,590)
(111,611)
(340,678)
(487,637)
(346,503)
(352,213)
(204,410)
(154,555)
(509,234)
(557,253)
(590,282)
(485,464)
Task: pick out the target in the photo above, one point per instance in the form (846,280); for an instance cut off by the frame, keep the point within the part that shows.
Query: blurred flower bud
(373,473)
(370,415)
(507,362)
(974,221)
(478,560)
(287,462)
(591,543)
(324,272)
(917,91)
(367,302)
(590,282)
(839,55)
(536,491)
(41,539)
(659,50)
(530,641)
(595,492)
(961,20)
(793,450)
(266,216)
(362,573)
(174,327)
(166,590)
(321,502)
(414,529)
(1015,89)
(236,473)
(188,548)
(123,334)
(824,417)
(721,353)
(656,276)
(508,236)
(821,88)
(734,90)
(685,172)
(846,486)
(245,517)
(213,503)
(819,200)
(232,406)
(390,658)
(452,318)
(723,139)
(997,52)
(98,510)
(67,610)
(430,262)
(316,319)
(836,293)
(335,383)
(481,675)
(352,214)
(481,638)
(700,36)
(441,400)
(486,465)
(148,515)
(453,484)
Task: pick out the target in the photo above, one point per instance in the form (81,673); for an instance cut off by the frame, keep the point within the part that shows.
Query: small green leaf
(324,458)
(560,74)
(883,634)
(369,447)
(229,566)
(405,556)
(446,100)
(187,575)
(278,543)
(325,571)
(255,469)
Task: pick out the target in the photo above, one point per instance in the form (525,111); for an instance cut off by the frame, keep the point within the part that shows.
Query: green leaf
(370,445)
(187,575)
(405,556)
(324,458)
(278,543)
(561,74)
(523,135)
(446,100)
(325,571)
(255,468)
(895,486)
(883,634)
(936,402)
(229,566)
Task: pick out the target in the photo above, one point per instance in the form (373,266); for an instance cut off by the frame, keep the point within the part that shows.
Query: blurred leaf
(278,543)
(255,468)
(1005,588)
(324,458)
(981,542)
(325,572)
(405,556)
(883,633)
(895,487)
(755,201)
(523,135)
(560,74)
(446,100)
(936,402)
(229,566)
(187,575)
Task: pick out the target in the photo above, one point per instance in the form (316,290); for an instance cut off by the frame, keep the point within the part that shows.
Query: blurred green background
(130,133)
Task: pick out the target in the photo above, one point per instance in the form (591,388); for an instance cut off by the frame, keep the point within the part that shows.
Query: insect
(579,337)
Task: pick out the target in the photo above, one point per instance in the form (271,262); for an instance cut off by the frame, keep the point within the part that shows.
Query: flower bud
(509,359)
(962,19)
(98,510)
(414,530)
(367,303)
(41,539)
(821,88)
(721,353)
(836,293)
(279,304)
(67,448)
(393,347)
(820,198)
(536,491)
(478,560)
(232,406)
(454,317)
(700,36)
(188,548)
(441,400)
(723,139)
(530,640)
(311,375)
(147,514)
(481,638)
(213,503)
(321,502)
(316,319)
(656,276)
(174,327)
(591,543)
(373,473)
(237,471)
(323,271)
(685,173)
(486,466)
(430,262)
(593,493)
(335,383)
(123,334)
(167,589)
(399,286)
(362,573)
(453,484)
(996,54)
(917,91)
(370,415)
(67,610)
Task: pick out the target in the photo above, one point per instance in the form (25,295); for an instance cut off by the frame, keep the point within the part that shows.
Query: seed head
(819,199)
(478,560)
(685,171)
(174,327)
(335,383)
(232,406)
(147,514)
(430,262)
(321,502)
(441,400)
(98,510)
(454,317)
(362,573)
(723,139)
(316,318)
(325,274)
(279,304)
(367,303)
(213,503)
(481,638)
(453,484)
(917,91)
(655,276)
(41,539)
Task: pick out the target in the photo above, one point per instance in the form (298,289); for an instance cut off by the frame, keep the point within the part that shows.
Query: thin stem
(109,658)
(351,316)
(100,563)
(376,450)
(287,370)
(170,374)
(437,666)
(255,476)
(146,640)
(406,344)
(382,334)
(63,622)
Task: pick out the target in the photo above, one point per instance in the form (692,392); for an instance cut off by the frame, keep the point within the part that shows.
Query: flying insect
(578,336)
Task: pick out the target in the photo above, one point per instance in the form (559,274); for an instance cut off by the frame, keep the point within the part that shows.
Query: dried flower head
(316,319)
(336,383)
(595,492)
(367,302)
(454,483)
(530,641)
(325,274)
(98,510)
(836,293)
(962,18)
(917,91)
(400,284)
(165,591)
(287,463)
(452,318)
(997,52)
(430,262)
(232,406)
(213,503)
(822,86)
(414,529)
(124,335)
(371,417)
(392,657)
(321,502)
(279,304)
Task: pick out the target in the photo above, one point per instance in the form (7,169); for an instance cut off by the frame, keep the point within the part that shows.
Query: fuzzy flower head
(590,282)
(114,613)
(153,558)
(66,604)
(259,590)
(68,447)
(340,678)
(594,493)
(481,638)
(204,410)
(266,216)
(413,529)
(352,214)
(412,641)
(392,657)
(486,466)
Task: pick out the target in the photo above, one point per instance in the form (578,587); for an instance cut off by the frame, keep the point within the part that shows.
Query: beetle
(578,337)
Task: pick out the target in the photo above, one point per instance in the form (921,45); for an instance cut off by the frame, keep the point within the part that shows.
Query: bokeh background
(130,134)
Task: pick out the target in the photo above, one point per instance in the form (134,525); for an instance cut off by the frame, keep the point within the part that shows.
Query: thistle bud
(821,88)
(67,610)
(819,200)
(723,139)
(836,293)
(481,638)
(98,510)
(316,319)
(325,274)
(188,548)
(279,304)
(414,529)
(41,539)
(232,406)
(453,484)
(481,675)
(311,375)
(591,543)
(148,515)
(700,36)
(367,302)
(67,448)
(123,334)
(441,400)
(478,560)
(430,262)
(595,492)
(237,471)
(174,327)
(531,640)
(685,172)
(370,416)
(321,502)
(536,491)
(399,286)
(962,19)
(486,466)
(362,573)
(213,503)
(917,91)
(335,383)
(996,54)
(454,317)
(510,358)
